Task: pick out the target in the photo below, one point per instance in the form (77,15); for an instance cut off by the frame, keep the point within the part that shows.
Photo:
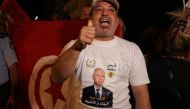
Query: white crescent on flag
(44,94)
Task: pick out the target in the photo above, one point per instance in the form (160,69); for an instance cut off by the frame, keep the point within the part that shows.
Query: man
(97,95)
(8,68)
(97,46)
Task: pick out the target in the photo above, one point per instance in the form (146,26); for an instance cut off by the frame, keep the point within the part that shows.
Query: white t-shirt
(123,63)
(7,58)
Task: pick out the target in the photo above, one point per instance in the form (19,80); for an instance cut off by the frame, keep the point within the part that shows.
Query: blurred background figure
(121,28)
(53,10)
(74,7)
(168,67)
(8,68)
(178,38)
(85,12)
(65,9)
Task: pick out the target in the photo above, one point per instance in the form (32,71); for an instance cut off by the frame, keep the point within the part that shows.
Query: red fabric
(34,40)
(119,31)
(14,10)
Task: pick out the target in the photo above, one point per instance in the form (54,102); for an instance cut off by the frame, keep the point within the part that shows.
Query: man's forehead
(105,2)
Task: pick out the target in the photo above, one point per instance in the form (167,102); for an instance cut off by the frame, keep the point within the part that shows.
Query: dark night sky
(130,9)
(137,14)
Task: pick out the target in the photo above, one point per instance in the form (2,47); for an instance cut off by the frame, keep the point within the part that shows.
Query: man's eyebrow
(97,6)
(110,6)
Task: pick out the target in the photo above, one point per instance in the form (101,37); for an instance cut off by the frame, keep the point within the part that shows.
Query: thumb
(90,23)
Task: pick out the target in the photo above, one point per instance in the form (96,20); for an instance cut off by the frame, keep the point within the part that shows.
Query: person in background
(97,46)
(53,10)
(169,68)
(178,37)
(8,68)
(121,28)
(85,12)
(74,7)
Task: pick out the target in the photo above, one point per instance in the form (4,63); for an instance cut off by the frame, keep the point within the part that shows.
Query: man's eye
(112,9)
(98,9)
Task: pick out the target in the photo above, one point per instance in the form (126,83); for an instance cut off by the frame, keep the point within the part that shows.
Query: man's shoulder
(4,39)
(106,90)
(122,40)
(126,43)
(88,87)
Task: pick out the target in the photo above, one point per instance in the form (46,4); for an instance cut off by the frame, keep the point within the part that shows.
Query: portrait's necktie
(97,93)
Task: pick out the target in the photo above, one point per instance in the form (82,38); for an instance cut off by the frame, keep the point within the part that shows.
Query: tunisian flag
(37,45)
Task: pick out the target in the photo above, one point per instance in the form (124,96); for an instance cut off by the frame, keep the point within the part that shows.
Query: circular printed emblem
(111,74)
(90,63)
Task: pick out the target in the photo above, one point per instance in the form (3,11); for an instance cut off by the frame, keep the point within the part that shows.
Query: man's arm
(64,66)
(13,70)
(141,96)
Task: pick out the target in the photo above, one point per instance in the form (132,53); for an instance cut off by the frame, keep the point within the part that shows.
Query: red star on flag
(55,91)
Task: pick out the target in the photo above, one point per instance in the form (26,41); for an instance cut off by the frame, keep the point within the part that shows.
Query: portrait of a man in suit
(96,95)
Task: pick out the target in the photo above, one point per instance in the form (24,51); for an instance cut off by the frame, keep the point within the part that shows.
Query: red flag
(14,11)
(33,40)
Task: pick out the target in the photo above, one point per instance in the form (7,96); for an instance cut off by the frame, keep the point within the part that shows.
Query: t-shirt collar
(109,43)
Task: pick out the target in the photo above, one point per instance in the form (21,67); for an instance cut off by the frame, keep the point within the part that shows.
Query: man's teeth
(104,20)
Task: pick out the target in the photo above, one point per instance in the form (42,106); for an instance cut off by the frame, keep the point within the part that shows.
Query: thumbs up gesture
(90,23)
(87,33)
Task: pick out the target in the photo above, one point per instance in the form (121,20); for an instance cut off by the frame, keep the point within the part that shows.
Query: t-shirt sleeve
(68,46)
(9,52)
(138,74)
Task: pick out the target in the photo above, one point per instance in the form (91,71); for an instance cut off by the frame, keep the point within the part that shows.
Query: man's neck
(104,38)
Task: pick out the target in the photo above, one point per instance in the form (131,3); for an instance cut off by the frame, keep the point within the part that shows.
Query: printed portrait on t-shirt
(97,95)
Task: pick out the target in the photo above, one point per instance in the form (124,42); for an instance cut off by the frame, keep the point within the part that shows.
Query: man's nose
(105,12)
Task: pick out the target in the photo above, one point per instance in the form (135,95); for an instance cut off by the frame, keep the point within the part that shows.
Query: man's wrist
(79,45)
